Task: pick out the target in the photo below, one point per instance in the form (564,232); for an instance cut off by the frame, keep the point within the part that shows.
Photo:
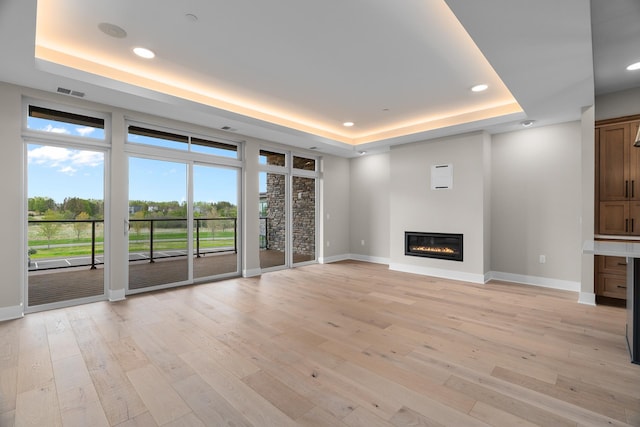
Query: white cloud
(53,129)
(53,156)
(68,161)
(68,170)
(87,158)
(84,131)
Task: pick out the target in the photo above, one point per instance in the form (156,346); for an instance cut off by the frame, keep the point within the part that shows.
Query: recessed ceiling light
(362,153)
(479,88)
(634,67)
(348,124)
(191,17)
(112,30)
(144,52)
(527,123)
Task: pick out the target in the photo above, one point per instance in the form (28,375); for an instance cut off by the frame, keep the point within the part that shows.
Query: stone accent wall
(304,211)
(304,216)
(276,211)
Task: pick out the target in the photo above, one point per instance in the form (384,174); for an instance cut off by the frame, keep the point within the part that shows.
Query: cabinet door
(614,162)
(612,286)
(634,163)
(614,218)
(612,265)
(634,218)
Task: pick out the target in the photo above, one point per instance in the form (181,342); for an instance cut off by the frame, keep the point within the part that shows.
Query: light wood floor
(344,344)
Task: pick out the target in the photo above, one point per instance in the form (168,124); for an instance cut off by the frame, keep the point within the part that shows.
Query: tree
(79,227)
(137,225)
(49,229)
(41,204)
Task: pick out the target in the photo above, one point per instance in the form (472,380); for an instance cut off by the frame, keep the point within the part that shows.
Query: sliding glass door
(158,223)
(215,221)
(288,209)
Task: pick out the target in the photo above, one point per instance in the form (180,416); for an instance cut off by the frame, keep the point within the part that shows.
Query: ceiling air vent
(71,92)
(229,128)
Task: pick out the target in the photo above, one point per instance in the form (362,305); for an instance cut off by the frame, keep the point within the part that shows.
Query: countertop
(600,247)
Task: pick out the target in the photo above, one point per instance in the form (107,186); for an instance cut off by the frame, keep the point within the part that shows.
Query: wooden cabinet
(611,276)
(618,178)
(617,198)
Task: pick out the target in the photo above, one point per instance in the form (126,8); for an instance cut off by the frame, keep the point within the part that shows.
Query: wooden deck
(66,284)
(343,344)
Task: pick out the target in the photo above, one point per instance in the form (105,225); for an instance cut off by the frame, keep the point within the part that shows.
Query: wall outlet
(328,243)
(542,259)
(362,242)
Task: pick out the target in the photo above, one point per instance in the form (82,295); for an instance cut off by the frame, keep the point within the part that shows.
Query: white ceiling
(292,71)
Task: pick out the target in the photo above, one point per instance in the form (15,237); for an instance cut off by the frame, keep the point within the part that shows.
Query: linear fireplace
(433,245)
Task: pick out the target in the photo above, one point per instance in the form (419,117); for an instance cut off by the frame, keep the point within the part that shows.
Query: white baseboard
(369,258)
(545,282)
(251,272)
(587,298)
(10,313)
(438,272)
(116,295)
(334,258)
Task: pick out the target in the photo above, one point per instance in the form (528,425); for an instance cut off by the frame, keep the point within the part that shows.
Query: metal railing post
(235,235)
(93,245)
(197,238)
(151,240)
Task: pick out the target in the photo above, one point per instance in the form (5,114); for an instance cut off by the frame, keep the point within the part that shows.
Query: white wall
(415,207)
(369,204)
(335,213)
(12,250)
(536,204)
(618,104)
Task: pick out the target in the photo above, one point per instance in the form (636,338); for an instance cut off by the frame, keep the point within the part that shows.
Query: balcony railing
(149,239)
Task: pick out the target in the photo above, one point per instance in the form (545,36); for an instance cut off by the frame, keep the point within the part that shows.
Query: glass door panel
(158,225)
(303,226)
(273,238)
(65,228)
(215,221)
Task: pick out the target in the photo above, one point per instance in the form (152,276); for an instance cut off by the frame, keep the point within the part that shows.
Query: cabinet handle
(633,188)
(626,225)
(626,189)
(632,221)
(622,287)
(622,263)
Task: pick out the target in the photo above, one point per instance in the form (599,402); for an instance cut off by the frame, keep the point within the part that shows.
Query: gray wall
(618,104)
(415,207)
(334,221)
(369,204)
(536,203)
(12,258)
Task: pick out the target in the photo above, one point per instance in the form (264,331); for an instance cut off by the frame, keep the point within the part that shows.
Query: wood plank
(508,403)
(249,403)
(280,396)
(361,417)
(207,404)
(164,404)
(38,407)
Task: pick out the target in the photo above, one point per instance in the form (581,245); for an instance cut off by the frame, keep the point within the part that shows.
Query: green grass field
(65,242)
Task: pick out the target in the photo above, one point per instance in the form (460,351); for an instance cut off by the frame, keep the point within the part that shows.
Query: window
(182,142)
(64,123)
(272,158)
(304,163)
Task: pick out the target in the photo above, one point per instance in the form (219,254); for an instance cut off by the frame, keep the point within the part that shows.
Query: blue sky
(58,172)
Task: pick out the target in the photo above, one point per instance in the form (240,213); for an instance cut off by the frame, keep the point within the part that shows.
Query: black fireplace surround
(433,245)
